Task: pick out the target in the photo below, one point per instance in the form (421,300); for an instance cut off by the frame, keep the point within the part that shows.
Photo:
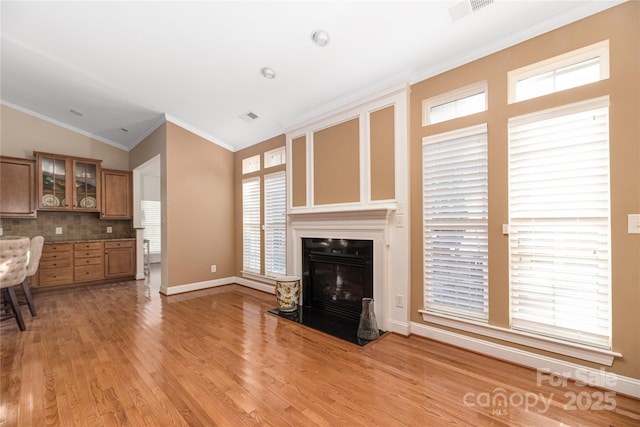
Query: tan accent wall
(336,163)
(258,149)
(21,134)
(200,217)
(382,137)
(299,171)
(620,26)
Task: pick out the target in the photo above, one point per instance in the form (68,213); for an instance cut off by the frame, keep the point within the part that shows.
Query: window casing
(275,157)
(251,164)
(559,232)
(455,229)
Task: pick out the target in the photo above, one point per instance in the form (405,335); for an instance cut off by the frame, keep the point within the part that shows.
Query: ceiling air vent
(467,7)
(249,116)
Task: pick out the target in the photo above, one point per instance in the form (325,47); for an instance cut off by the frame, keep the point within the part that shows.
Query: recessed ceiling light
(76,112)
(268,73)
(320,38)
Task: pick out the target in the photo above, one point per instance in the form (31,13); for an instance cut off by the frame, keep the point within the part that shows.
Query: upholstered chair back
(34,255)
(14,252)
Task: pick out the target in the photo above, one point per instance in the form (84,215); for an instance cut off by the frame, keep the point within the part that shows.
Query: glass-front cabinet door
(86,176)
(53,191)
(66,183)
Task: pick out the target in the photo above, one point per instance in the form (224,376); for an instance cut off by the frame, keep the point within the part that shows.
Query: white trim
(402,328)
(259,277)
(263,287)
(189,287)
(454,134)
(552,113)
(591,354)
(596,377)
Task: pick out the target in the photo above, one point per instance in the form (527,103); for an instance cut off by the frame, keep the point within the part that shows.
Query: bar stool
(14,254)
(146,250)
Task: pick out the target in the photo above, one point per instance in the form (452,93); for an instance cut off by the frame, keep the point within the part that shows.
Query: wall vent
(467,7)
(249,116)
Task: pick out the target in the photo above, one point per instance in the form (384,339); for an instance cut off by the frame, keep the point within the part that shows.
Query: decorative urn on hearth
(288,293)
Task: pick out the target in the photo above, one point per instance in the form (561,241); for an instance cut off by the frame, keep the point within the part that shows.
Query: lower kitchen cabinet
(120,258)
(82,262)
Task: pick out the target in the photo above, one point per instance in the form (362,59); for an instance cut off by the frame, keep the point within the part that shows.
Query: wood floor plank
(122,354)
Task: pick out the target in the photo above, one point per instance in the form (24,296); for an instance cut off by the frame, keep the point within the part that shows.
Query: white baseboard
(397,327)
(189,287)
(596,377)
(172,290)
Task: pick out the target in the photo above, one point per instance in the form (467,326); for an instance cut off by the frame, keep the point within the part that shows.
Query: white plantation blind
(560,223)
(251,225)
(455,212)
(151,223)
(275,225)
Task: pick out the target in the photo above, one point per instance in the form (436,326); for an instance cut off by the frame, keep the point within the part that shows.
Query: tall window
(455,212)
(275,226)
(560,223)
(151,223)
(251,224)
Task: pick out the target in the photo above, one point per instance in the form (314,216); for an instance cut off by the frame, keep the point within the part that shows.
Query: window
(560,223)
(151,223)
(455,212)
(275,225)
(275,157)
(251,224)
(573,69)
(251,164)
(458,103)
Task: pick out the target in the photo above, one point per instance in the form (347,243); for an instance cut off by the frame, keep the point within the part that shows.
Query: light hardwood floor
(122,354)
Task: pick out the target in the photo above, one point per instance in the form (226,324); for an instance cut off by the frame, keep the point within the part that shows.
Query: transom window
(458,103)
(580,67)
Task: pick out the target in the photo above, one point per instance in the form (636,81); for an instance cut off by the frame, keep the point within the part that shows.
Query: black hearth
(336,275)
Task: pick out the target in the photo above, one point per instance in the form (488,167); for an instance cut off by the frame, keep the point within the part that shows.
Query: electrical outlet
(633,223)
(399,301)
(58,230)
(213,268)
(109,229)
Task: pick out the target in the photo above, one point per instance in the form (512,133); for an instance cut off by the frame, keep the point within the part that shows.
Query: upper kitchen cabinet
(67,183)
(117,199)
(17,188)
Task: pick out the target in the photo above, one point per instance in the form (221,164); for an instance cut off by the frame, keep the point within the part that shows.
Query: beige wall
(336,163)
(620,26)
(258,149)
(200,215)
(21,134)
(382,154)
(299,171)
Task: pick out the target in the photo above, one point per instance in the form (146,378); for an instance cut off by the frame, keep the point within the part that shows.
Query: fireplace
(337,274)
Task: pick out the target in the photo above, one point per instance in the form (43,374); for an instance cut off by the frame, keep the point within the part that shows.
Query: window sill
(600,356)
(258,277)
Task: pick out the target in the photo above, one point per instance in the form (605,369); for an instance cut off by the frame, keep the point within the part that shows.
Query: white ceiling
(131,64)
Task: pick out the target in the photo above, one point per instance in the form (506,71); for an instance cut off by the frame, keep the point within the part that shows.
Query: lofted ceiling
(116,70)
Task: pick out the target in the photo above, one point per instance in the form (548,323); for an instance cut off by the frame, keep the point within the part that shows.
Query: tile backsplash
(75,226)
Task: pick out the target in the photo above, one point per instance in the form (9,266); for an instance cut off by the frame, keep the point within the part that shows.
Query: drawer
(96,260)
(54,263)
(49,256)
(55,276)
(57,247)
(87,253)
(118,244)
(95,246)
(88,272)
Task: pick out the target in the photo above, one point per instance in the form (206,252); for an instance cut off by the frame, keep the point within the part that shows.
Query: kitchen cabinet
(84,262)
(17,188)
(67,183)
(119,258)
(117,194)
(88,261)
(56,265)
